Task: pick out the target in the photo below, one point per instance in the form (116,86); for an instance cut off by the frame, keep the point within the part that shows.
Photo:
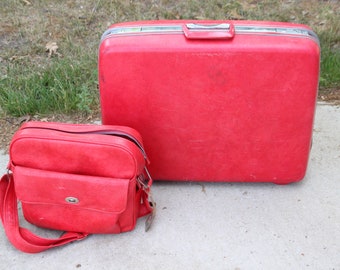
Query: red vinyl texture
(98,171)
(234,109)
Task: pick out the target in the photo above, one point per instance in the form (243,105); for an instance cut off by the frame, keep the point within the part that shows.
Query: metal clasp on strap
(145,184)
(8,174)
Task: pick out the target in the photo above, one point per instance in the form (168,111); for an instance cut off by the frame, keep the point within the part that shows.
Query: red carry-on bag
(81,179)
(214,100)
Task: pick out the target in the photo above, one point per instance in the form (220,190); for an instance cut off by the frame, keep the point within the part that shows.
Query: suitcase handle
(216,31)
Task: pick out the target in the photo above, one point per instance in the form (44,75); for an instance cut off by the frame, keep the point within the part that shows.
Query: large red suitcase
(214,100)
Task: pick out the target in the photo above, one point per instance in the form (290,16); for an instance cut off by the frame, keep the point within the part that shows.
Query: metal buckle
(8,174)
(144,182)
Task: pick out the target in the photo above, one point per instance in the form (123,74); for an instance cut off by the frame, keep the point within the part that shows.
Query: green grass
(64,86)
(330,69)
(330,57)
(31,83)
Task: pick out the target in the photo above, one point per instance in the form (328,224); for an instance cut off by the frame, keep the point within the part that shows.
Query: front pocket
(73,202)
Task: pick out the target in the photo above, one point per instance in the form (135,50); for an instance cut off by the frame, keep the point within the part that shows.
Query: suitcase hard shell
(214,100)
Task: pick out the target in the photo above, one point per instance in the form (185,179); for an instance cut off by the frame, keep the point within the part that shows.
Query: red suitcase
(214,100)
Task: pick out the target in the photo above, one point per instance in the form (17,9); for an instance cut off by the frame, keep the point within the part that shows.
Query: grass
(64,86)
(330,57)
(330,67)
(32,83)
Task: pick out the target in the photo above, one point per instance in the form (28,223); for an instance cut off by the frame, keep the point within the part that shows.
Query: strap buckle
(144,181)
(8,173)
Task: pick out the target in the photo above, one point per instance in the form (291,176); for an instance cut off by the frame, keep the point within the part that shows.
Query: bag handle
(22,238)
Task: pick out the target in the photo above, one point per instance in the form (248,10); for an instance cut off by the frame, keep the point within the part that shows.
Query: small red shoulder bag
(81,179)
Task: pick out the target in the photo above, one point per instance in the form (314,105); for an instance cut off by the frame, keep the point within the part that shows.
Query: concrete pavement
(221,225)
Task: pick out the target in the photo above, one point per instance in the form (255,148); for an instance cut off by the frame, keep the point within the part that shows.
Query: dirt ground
(332,96)
(9,125)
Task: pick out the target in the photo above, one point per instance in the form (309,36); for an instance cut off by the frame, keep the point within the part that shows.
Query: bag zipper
(117,133)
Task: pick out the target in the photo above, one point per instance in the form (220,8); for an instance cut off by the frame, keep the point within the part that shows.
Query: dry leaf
(52,47)
(24,119)
(17,57)
(233,14)
(305,12)
(28,3)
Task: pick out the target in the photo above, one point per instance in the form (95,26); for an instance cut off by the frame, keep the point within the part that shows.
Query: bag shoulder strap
(22,238)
